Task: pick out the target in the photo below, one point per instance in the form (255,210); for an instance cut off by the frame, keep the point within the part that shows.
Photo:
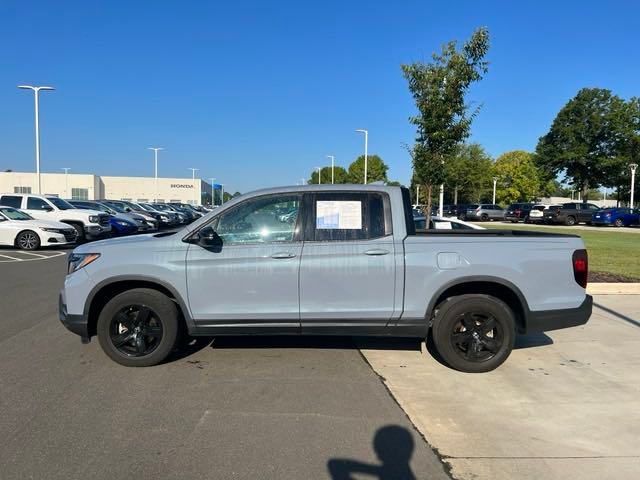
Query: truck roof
(343,187)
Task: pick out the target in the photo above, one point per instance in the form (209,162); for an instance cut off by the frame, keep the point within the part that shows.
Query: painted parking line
(10,259)
(28,256)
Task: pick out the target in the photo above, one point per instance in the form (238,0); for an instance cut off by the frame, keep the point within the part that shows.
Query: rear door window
(344,216)
(11,201)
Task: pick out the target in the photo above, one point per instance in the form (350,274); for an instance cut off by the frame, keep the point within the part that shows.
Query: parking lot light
(193,173)
(319,172)
(155,156)
(633,167)
(36,92)
(366,150)
(495,181)
(332,166)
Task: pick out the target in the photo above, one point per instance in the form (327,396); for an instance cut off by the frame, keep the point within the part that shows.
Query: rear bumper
(74,323)
(545,320)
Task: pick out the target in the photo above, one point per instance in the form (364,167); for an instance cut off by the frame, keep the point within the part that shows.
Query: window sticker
(339,215)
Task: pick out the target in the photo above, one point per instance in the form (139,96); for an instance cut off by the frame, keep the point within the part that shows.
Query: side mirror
(208,238)
(127,209)
(46,207)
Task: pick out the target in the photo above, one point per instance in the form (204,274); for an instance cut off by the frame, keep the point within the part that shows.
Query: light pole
(304,181)
(319,173)
(66,181)
(633,167)
(36,91)
(221,193)
(417,196)
(332,166)
(495,181)
(193,172)
(366,151)
(212,192)
(155,169)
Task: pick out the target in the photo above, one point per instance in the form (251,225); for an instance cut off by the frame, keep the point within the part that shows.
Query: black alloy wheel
(473,333)
(476,336)
(136,331)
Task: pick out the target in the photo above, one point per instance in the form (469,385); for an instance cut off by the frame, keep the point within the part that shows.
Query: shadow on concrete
(393,445)
(617,314)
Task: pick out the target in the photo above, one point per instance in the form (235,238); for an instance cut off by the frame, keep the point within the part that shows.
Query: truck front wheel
(138,328)
(474,333)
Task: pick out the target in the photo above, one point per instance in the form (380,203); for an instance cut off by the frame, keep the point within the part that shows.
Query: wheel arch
(493,286)
(106,290)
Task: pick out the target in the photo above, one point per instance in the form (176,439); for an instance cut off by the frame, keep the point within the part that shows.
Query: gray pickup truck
(330,260)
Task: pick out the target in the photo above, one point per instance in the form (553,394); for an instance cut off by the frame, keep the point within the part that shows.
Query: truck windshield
(60,203)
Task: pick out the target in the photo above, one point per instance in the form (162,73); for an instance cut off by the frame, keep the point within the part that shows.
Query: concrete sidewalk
(564,405)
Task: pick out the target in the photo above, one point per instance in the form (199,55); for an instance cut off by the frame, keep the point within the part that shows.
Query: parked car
(21,230)
(518,212)
(364,270)
(121,223)
(571,213)
(158,219)
(618,217)
(536,215)
(175,217)
(484,212)
(89,224)
(442,223)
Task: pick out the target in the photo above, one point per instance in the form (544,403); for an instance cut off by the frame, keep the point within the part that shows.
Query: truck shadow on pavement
(316,341)
(393,445)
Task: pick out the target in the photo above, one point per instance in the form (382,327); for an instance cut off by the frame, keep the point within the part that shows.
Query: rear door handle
(376,251)
(283,255)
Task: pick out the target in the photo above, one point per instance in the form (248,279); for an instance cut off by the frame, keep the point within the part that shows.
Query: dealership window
(145,200)
(125,199)
(175,201)
(79,194)
(160,200)
(21,189)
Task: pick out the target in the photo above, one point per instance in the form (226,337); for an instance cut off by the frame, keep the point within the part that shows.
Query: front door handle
(377,251)
(283,255)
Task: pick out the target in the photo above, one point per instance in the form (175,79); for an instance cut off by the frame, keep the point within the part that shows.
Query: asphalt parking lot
(269,408)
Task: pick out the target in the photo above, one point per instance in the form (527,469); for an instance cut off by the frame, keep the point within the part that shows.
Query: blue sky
(258,93)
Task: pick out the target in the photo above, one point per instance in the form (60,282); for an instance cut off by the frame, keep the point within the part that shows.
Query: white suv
(90,224)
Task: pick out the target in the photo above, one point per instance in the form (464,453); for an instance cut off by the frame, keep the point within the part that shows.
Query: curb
(613,288)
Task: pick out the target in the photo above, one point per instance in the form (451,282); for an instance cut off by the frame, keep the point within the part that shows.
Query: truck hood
(136,241)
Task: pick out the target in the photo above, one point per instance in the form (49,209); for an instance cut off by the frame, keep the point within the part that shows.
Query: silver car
(484,212)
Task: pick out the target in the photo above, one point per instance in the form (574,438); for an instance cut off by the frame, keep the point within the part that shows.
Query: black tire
(570,221)
(142,342)
(619,222)
(28,240)
(484,217)
(461,337)
(80,237)
(527,220)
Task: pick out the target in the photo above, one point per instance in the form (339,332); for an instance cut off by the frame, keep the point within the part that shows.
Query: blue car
(121,226)
(618,217)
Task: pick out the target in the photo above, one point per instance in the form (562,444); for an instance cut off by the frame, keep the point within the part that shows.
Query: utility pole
(332,166)
(66,181)
(366,151)
(633,167)
(155,168)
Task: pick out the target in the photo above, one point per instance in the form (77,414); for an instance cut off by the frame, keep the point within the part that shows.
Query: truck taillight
(580,267)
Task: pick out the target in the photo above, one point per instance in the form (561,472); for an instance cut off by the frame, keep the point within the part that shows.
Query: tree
(468,171)
(444,119)
(518,177)
(587,139)
(376,170)
(340,175)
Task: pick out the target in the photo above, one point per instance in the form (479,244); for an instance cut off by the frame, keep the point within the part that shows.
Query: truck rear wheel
(474,333)
(138,328)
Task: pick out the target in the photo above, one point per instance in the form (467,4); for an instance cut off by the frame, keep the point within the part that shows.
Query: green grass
(610,250)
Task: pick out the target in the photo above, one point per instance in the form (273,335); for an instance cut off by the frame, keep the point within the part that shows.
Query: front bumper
(545,320)
(77,324)
(97,231)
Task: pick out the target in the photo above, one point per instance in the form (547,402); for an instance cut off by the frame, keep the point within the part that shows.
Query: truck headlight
(94,219)
(80,260)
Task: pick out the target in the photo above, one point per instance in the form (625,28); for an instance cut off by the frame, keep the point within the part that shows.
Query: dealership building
(94,187)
